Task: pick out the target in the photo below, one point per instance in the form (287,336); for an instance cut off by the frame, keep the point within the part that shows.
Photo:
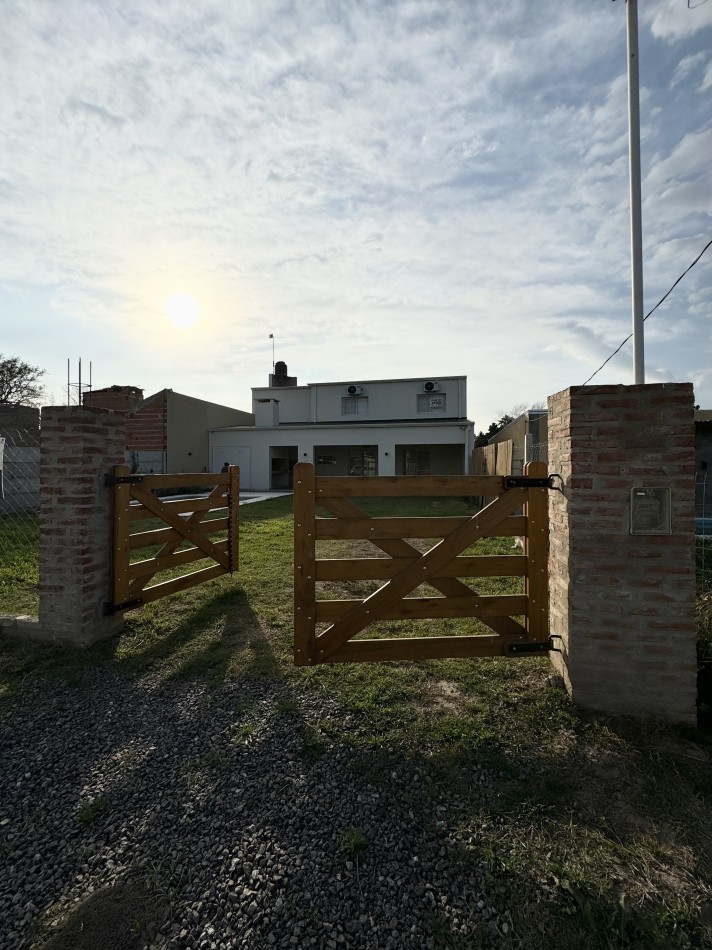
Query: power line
(663,298)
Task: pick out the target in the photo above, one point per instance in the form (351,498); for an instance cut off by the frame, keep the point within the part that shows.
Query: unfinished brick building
(166,432)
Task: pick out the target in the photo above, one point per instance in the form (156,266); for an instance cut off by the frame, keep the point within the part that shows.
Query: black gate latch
(529,481)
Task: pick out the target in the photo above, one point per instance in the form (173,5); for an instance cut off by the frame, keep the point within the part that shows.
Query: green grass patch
(92,809)
(353,842)
(703,565)
(19,563)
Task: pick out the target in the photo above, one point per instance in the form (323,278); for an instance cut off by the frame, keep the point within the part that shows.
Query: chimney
(267,412)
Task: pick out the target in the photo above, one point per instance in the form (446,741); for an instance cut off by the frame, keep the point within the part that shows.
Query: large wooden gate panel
(406,568)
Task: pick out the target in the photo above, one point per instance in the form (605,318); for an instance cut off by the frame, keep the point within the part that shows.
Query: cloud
(686,66)
(707,79)
(435,188)
(672,21)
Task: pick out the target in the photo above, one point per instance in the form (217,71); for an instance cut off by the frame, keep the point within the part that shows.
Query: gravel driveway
(203,817)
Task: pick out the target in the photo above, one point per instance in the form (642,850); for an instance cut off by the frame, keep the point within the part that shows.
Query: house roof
(367,382)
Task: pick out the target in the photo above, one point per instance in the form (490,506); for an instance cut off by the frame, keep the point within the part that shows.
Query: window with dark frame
(354,405)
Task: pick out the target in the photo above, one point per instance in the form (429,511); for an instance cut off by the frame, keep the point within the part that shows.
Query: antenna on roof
(79,387)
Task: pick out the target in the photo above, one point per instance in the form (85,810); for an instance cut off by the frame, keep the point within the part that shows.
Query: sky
(392,188)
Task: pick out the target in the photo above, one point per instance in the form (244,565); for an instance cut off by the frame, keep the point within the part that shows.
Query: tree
(19,382)
(483,438)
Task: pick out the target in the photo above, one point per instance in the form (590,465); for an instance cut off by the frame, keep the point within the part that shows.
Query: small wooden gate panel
(406,568)
(185,520)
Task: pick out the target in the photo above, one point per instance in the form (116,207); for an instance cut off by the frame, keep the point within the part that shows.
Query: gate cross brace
(170,546)
(419,572)
(188,531)
(399,547)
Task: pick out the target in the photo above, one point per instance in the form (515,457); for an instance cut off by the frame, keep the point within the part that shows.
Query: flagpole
(636,228)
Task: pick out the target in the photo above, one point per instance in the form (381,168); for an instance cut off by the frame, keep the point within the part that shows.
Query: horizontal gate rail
(383,528)
(381,568)
(187,520)
(399,486)
(405,567)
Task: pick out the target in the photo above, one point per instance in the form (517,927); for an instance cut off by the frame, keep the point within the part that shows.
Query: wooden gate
(187,520)
(406,568)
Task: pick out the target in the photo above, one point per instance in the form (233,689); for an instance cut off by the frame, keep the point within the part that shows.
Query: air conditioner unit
(354,390)
(431,387)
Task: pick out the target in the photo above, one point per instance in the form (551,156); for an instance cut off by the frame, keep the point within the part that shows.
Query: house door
(234,455)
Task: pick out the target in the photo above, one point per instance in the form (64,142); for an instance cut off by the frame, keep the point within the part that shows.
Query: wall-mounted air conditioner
(354,390)
(431,387)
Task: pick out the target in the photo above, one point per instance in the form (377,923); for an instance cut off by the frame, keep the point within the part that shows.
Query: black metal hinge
(122,480)
(111,609)
(529,481)
(527,649)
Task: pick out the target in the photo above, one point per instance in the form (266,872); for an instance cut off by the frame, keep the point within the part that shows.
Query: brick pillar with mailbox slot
(622,604)
(78,447)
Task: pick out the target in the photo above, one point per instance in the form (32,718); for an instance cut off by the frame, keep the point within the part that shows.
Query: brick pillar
(623,604)
(78,446)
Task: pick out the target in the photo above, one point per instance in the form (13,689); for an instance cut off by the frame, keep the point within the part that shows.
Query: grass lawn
(597,832)
(19,563)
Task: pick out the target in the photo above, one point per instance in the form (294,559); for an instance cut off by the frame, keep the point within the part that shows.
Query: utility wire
(663,298)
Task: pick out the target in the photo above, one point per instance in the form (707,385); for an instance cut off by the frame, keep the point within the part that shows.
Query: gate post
(78,447)
(622,604)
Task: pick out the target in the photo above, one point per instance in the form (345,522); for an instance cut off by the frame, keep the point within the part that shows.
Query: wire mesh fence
(538,452)
(703,532)
(19,520)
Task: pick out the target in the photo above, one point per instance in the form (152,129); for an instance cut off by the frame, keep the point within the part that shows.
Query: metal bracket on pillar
(525,648)
(122,480)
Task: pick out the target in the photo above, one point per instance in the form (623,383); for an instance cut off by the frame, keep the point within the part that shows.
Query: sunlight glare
(182,310)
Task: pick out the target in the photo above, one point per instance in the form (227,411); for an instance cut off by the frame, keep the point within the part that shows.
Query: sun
(182,310)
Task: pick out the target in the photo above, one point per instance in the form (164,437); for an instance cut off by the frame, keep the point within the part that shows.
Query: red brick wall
(118,398)
(79,445)
(146,427)
(623,604)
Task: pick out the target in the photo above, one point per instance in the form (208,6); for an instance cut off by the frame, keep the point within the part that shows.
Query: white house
(414,426)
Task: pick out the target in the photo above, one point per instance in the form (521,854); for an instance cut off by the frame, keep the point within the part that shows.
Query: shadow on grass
(593,831)
(216,637)
(588,844)
(221,639)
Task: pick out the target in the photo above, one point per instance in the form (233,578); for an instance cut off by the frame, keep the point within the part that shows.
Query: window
(427,402)
(362,462)
(354,405)
(416,462)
